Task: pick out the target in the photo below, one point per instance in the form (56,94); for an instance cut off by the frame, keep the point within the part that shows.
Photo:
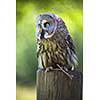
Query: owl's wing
(72,53)
(70,43)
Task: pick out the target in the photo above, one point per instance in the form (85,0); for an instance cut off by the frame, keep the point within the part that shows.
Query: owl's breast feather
(46,52)
(47,45)
(52,51)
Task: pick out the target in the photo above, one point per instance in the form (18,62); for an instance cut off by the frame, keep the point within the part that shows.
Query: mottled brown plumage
(55,45)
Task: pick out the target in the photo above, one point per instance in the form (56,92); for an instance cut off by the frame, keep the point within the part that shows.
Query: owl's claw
(48,69)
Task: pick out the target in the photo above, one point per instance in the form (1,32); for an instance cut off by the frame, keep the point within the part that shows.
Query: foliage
(25,93)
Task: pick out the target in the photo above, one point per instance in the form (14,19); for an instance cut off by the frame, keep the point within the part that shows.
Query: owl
(55,48)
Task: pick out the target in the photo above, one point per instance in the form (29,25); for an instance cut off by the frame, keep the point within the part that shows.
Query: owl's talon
(48,69)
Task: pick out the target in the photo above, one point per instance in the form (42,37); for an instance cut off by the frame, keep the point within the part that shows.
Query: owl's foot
(48,69)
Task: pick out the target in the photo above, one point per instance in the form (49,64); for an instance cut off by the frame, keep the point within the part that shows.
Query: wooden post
(55,85)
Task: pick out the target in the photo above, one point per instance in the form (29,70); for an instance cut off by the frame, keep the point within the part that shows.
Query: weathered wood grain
(55,85)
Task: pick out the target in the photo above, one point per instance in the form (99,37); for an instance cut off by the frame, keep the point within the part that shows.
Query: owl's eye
(46,24)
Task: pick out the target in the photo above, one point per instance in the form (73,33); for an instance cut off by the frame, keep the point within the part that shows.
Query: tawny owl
(55,47)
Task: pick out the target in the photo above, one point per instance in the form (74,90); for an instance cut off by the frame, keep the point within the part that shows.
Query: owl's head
(46,25)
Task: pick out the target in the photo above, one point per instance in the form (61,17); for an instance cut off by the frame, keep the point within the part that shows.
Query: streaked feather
(58,48)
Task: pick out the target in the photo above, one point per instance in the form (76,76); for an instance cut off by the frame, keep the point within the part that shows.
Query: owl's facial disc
(46,26)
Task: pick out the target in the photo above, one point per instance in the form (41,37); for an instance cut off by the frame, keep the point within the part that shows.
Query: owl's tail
(65,72)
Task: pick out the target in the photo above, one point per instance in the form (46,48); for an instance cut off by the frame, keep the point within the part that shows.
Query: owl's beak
(41,32)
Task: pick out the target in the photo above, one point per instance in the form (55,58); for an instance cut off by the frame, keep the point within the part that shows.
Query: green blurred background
(71,11)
